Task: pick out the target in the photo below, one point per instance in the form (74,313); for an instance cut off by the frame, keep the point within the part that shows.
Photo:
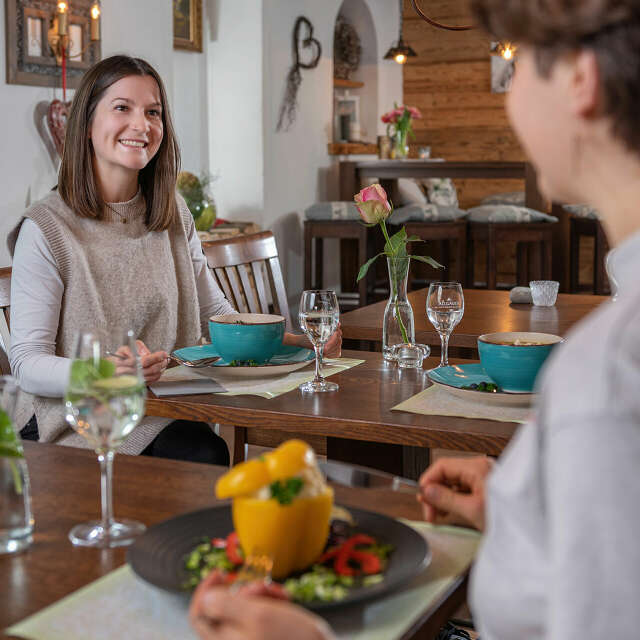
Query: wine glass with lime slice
(104,402)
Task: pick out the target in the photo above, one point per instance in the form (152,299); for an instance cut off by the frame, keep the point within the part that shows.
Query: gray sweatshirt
(561,555)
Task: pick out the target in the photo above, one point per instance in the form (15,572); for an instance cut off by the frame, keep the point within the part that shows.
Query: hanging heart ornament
(57,115)
(303,35)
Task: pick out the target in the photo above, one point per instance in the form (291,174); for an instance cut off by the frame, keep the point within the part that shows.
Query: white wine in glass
(319,316)
(104,402)
(445,308)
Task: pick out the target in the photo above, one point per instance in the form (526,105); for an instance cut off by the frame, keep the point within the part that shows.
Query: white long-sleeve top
(36,295)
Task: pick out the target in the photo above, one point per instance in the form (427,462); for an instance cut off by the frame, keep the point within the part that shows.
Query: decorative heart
(57,114)
(307,41)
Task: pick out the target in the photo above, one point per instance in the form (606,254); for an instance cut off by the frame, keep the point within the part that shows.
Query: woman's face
(538,110)
(126,129)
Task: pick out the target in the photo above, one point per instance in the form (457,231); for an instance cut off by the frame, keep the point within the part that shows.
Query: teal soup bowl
(246,336)
(513,359)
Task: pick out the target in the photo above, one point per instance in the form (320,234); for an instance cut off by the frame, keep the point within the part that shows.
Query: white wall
(234,74)
(298,170)
(27,169)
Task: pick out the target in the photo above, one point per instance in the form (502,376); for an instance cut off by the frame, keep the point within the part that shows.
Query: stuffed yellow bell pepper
(281,506)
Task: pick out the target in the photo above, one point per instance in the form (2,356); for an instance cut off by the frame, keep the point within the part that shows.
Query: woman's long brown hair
(76,181)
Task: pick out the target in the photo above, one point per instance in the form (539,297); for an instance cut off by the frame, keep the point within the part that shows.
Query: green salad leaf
(284,491)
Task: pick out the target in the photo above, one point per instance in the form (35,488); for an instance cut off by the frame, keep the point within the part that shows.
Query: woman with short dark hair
(560,557)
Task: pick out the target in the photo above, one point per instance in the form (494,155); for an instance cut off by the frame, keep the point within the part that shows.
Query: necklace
(122,218)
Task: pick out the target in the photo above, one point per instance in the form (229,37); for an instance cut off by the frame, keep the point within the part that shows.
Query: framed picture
(30,59)
(346,115)
(187,25)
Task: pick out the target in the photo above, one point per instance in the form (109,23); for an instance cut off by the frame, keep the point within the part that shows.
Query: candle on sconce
(95,21)
(62,18)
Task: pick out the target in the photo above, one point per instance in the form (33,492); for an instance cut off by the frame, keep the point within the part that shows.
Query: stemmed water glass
(104,401)
(319,315)
(445,308)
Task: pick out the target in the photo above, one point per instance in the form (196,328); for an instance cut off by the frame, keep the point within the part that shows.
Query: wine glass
(445,308)
(319,315)
(104,401)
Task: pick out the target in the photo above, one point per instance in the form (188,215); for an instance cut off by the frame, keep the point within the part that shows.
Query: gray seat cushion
(511,197)
(426,213)
(332,211)
(507,213)
(582,211)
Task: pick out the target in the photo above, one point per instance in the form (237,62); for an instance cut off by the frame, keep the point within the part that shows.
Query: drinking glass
(319,315)
(445,308)
(16,518)
(105,400)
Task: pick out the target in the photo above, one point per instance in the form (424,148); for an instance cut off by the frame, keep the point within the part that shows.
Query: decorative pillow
(507,213)
(582,211)
(441,191)
(332,211)
(410,192)
(512,197)
(426,213)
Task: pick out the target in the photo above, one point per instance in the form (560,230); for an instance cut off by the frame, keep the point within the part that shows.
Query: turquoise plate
(456,376)
(288,358)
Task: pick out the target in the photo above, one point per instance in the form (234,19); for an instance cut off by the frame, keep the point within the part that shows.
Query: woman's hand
(153,364)
(254,612)
(332,349)
(452,491)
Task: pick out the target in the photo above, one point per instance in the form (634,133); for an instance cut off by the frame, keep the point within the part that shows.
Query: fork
(195,364)
(256,568)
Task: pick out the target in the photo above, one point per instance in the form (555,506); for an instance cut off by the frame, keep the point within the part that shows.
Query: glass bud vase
(397,325)
(400,146)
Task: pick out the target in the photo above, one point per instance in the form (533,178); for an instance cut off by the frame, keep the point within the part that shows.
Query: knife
(352,475)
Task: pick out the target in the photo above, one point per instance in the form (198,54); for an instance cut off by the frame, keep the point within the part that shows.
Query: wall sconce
(401,51)
(58,34)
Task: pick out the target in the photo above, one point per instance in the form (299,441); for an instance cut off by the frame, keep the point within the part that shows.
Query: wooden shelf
(351,148)
(347,84)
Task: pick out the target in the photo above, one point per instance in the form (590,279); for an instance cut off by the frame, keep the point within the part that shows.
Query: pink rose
(415,112)
(397,113)
(386,118)
(372,204)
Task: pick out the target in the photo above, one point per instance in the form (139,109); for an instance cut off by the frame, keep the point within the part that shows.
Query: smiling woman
(112,246)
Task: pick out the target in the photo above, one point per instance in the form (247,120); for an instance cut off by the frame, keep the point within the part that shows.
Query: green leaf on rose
(428,260)
(365,267)
(415,239)
(10,444)
(396,243)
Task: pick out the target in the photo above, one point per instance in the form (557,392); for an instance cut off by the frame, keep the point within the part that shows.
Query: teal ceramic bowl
(246,336)
(513,359)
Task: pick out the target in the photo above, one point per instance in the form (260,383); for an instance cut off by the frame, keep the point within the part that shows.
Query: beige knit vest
(115,273)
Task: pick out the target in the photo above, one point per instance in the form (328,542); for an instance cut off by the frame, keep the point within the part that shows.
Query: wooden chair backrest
(246,268)
(5,304)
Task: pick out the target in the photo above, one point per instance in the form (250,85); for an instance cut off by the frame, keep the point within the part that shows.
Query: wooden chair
(315,231)
(245,267)
(446,233)
(239,265)
(588,228)
(5,304)
(534,241)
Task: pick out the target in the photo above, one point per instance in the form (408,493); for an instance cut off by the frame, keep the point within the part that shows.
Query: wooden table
(484,312)
(148,490)
(360,410)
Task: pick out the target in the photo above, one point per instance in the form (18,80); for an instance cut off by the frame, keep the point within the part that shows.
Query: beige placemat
(121,605)
(435,401)
(267,387)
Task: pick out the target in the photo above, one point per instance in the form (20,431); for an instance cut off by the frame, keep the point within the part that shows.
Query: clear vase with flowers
(399,128)
(398,325)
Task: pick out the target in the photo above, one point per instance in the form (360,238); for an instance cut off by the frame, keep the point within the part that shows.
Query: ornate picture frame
(30,60)
(187,25)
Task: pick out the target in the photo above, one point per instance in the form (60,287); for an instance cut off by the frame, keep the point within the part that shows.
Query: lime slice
(10,445)
(117,383)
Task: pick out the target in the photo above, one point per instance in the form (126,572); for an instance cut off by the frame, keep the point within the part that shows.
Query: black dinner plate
(158,555)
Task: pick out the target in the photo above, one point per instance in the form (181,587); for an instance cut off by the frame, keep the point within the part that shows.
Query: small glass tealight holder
(544,292)
(410,355)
